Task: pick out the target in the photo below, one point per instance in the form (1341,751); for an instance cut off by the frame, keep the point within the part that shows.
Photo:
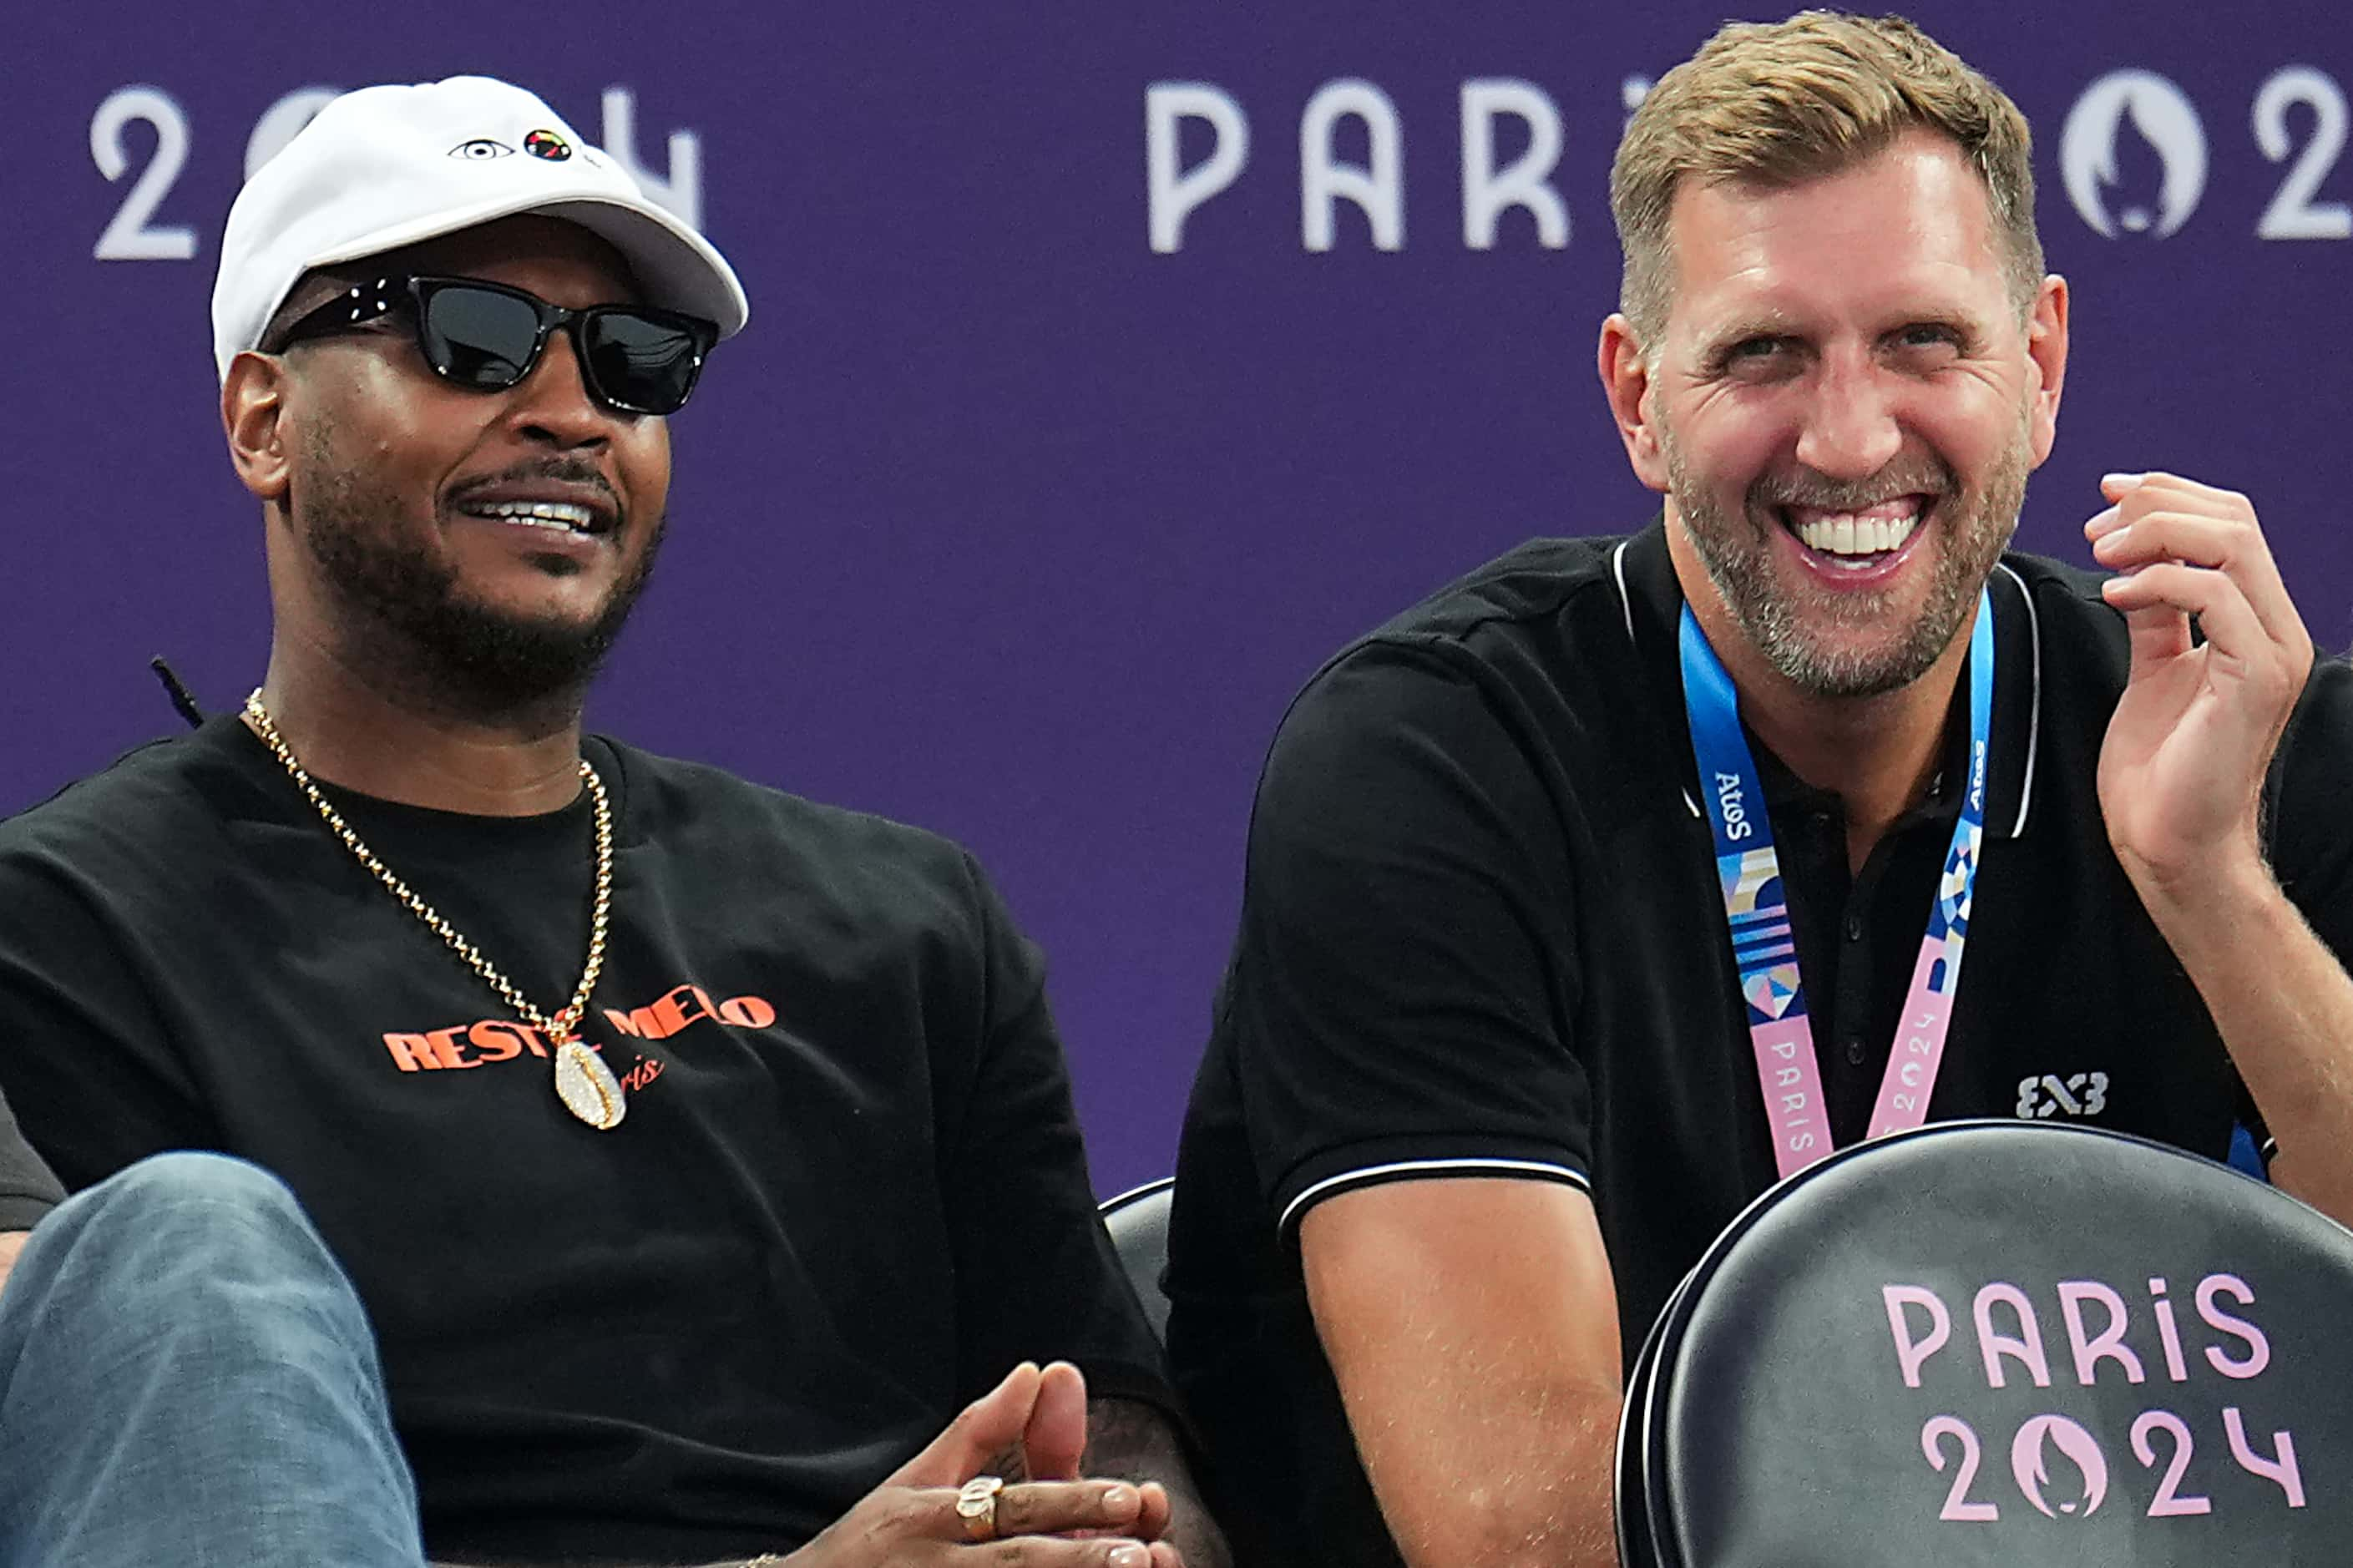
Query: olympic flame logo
(2165,119)
(2028,1466)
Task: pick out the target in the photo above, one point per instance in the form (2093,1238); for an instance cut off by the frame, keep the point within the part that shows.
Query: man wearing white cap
(696,1151)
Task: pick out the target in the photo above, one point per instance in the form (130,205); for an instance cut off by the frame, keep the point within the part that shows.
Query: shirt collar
(1650,599)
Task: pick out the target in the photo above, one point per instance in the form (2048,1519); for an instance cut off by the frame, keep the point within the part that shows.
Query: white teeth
(538,513)
(1847,534)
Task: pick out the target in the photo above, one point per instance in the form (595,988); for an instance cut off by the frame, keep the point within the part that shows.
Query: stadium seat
(1998,1343)
(1138,1222)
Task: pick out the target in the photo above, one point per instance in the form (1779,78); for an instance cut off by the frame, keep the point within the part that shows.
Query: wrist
(2210,902)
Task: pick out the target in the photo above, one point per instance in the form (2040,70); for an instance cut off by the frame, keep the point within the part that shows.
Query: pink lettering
(2175,1367)
(1910,1352)
(1958,1506)
(2026,1347)
(2280,1471)
(2258,1349)
(2171,1501)
(2110,1343)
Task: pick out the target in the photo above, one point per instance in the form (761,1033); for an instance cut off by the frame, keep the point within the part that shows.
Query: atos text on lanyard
(1756,913)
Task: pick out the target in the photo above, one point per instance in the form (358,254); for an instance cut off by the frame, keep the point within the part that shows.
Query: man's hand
(2181,782)
(2181,773)
(1041,1415)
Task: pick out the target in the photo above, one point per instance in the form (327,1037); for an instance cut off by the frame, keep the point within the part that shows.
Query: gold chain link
(559,1029)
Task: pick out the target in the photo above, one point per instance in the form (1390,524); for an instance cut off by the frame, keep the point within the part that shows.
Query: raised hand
(2181,771)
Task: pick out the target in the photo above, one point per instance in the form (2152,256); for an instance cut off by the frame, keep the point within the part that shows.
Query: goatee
(1784,622)
(467,658)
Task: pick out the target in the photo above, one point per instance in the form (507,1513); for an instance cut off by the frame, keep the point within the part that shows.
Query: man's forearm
(1531,1489)
(2284,1006)
(1131,1441)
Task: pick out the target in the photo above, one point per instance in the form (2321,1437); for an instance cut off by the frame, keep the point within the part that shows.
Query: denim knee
(189,1213)
(165,1184)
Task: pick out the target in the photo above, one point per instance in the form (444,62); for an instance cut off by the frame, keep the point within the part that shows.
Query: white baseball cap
(389,166)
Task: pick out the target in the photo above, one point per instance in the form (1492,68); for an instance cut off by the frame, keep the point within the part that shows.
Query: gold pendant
(588,1086)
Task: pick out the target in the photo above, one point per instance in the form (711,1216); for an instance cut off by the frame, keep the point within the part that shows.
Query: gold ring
(976,1504)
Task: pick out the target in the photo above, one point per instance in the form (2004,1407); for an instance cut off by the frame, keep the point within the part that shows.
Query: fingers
(2161,517)
(1053,1508)
(1152,1521)
(1034,1520)
(986,1427)
(1055,1439)
(1033,1552)
(2157,634)
(2155,598)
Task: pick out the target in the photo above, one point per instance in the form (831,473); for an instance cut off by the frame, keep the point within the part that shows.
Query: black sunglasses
(487,336)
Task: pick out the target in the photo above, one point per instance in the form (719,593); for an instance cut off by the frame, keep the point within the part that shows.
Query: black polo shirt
(1482,934)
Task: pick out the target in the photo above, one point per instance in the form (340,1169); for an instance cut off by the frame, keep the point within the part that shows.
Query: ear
(1626,382)
(2046,355)
(251,408)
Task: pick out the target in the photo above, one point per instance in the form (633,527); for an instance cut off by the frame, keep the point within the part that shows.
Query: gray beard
(404,617)
(1737,553)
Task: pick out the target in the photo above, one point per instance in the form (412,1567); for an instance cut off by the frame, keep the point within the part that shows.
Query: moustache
(1820,491)
(564,470)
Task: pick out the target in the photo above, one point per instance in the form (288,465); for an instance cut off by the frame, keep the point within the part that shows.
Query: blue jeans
(187,1378)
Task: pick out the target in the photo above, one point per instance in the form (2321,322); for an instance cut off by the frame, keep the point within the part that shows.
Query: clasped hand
(2181,771)
(1051,1520)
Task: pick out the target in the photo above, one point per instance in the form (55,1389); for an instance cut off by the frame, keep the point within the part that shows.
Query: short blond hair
(1780,103)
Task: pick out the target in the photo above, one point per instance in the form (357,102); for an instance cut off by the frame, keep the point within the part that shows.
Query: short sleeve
(1402,980)
(84,1061)
(1037,1277)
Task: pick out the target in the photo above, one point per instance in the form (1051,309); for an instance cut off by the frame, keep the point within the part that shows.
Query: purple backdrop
(1002,521)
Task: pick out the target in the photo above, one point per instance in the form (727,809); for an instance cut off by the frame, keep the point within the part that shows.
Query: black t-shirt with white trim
(847,1196)
(1482,934)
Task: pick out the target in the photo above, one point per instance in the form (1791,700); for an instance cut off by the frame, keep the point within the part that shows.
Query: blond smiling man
(1499,1050)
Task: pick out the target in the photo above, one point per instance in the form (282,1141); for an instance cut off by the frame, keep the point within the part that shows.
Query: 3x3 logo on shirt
(2049,1095)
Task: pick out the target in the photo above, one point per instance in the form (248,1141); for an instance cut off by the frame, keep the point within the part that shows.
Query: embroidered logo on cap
(548,144)
(481,149)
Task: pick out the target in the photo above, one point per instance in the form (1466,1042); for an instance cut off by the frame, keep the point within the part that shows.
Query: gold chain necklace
(583,1082)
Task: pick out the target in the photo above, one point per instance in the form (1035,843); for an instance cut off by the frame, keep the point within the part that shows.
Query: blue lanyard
(1756,914)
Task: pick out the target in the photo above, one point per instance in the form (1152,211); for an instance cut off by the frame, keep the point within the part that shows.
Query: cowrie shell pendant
(588,1086)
